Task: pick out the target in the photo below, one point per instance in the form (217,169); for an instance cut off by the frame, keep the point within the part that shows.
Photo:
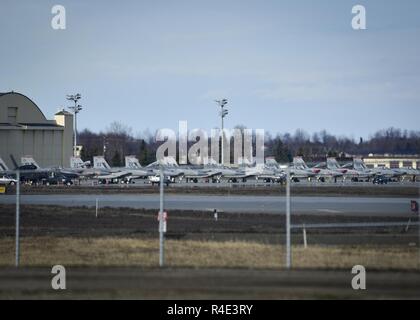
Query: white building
(392,161)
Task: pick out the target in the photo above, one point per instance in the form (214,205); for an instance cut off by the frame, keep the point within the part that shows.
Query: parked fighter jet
(320,173)
(359,165)
(170,170)
(27,173)
(263,172)
(229,174)
(295,173)
(174,170)
(354,175)
(409,173)
(84,169)
(31,172)
(28,163)
(133,165)
(115,174)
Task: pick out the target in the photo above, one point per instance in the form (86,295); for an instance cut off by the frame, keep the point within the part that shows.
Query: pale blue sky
(282,64)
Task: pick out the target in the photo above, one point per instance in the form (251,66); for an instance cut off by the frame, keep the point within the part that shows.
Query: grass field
(113,251)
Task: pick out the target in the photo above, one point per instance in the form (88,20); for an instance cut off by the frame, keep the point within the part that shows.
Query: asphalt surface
(251,183)
(140,283)
(373,206)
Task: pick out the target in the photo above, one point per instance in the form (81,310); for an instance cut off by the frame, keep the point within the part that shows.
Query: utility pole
(418,221)
(288,248)
(76,109)
(161,221)
(17,217)
(223,113)
(104,146)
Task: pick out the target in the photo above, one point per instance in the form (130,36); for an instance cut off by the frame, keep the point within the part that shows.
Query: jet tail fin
(358,164)
(271,162)
(170,161)
(28,160)
(131,162)
(332,163)
(3,166)
(99,162)
(299,163)
(77,163)
(245,161)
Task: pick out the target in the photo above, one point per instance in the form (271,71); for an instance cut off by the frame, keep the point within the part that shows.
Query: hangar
(25,131)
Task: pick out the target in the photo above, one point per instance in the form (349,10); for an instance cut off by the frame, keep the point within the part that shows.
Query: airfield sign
(164,218)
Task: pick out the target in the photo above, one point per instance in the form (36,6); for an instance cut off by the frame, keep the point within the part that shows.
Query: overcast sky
(283,65)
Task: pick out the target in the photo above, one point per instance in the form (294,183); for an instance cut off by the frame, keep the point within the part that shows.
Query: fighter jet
(170,168)
(354,175)
(30,168)
(229,174)
(173,170)
(410,173)
(84,169)
(359,165)
(295,173)
(263,172)
(116,174)
(31,172)
(320,173)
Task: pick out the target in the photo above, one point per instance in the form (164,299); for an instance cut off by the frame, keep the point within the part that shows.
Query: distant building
(25,131)
(392,161)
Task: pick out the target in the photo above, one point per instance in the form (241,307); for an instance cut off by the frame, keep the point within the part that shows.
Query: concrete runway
(253,183)
(373,206)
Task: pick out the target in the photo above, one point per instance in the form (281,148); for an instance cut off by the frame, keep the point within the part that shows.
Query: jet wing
(114,175)
(201,174)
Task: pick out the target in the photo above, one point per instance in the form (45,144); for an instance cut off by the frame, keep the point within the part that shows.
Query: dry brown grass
(108,251)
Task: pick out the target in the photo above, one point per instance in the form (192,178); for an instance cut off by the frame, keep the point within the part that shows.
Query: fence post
(305,242)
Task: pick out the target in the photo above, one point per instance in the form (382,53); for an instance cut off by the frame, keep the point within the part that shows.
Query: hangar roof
(18,109)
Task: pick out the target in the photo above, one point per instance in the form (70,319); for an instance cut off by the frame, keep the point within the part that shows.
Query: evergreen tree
(116,159)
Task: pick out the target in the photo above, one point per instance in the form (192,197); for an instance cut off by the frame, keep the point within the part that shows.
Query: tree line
(118,140)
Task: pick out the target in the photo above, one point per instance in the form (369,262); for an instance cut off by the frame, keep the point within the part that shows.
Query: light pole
(17,239)
(76,109)
(223,113)
(161,221)
(288,242)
